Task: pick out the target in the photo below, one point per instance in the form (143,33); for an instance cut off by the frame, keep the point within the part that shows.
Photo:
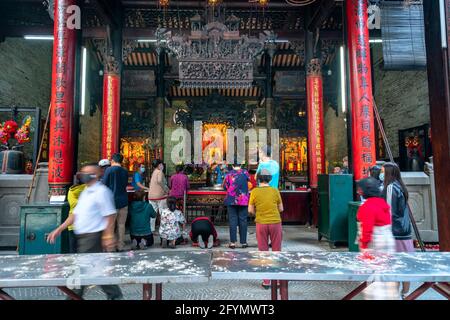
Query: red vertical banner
(111,118)
(61,148)
(363,126)
(316,139)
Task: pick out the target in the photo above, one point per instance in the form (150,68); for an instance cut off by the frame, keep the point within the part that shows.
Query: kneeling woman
(203,233)
(172,224)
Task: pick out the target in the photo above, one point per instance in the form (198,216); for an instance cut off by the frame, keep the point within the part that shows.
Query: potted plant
(11,156)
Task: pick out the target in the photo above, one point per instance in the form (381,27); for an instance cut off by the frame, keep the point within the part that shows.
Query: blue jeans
(237,216)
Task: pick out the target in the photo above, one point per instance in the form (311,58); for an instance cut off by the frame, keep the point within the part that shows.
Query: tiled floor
(294,239)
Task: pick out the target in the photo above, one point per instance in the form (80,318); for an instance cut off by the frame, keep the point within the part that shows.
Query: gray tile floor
(295,238)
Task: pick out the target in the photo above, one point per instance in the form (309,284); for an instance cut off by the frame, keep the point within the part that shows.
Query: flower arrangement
(10,129)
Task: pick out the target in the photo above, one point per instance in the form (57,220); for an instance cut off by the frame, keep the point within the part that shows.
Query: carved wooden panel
(138,83)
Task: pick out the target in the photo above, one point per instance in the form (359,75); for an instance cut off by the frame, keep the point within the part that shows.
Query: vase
(12,161)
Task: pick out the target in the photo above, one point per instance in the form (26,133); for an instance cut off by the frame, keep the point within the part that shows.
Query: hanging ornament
(263,3)
(214,3)
(164,3)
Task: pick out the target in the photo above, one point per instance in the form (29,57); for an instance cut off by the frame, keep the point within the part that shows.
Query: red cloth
(374,212)
(264,231)
(253,181)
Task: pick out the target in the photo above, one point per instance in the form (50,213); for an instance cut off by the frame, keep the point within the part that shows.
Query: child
(171,225)
(265,202)
(374,222)
(140,230)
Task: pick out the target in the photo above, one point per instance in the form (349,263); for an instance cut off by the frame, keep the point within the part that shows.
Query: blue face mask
(142,170)
(382,177)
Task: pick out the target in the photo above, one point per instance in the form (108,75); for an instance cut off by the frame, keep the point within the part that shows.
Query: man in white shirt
(93,219)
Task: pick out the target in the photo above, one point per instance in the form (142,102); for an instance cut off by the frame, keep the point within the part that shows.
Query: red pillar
(61,148)
(316,140)
(111,117)
(363,127)
(316,144)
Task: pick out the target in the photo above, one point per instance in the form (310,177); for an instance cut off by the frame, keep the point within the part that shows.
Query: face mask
(86,177)
(142,170)
(382,177)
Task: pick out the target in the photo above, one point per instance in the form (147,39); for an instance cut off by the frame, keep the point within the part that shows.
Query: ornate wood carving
(235,113)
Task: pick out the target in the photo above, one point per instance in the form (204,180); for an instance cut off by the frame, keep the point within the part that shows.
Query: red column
(316,140)
(316,144)
(363,127)
(61,148)
(111,118)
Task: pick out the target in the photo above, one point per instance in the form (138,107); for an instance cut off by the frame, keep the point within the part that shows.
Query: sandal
(244,245)
(232,246)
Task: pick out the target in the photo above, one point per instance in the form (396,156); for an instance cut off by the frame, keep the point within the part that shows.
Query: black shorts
(201,228)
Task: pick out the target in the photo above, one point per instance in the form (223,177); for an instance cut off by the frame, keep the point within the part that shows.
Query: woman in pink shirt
(179,183)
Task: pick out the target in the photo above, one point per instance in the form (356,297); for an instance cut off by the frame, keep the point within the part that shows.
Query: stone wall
(402,98)
(335,137)
(25,73)
(25,79)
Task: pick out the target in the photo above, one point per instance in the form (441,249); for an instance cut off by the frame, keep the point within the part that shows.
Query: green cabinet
(335,192)
(36,222)
(353,207)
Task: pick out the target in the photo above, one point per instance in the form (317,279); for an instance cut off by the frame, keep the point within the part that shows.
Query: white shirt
(94,205)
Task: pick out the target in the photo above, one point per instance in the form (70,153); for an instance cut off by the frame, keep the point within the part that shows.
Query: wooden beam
(322,13)
(438,90)
(142,33)
(201,4)
(104,12)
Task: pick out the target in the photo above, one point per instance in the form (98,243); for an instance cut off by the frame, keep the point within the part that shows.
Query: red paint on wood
(61,147)
(363,126)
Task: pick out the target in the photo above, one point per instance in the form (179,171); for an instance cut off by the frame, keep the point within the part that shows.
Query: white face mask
(382,176)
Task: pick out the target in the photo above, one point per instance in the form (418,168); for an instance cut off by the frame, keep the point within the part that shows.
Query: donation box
(335,192)
(353,208)
(36,223)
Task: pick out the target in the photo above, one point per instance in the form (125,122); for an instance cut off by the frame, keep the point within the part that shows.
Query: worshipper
(93,219)
(252,183)
(141,211)
(396,195)
(116,179)
(171,225)
(138,178)
(345,169)
(266,205)
(72,198)
(178,183)
(219,173)
(103,164)
(236,200)
(337,170)
(269,164)
(203,233)
(158,190)
(375,235)
(374,172)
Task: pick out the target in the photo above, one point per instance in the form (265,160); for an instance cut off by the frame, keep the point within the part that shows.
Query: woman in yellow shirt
(72,198)
(265,202)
